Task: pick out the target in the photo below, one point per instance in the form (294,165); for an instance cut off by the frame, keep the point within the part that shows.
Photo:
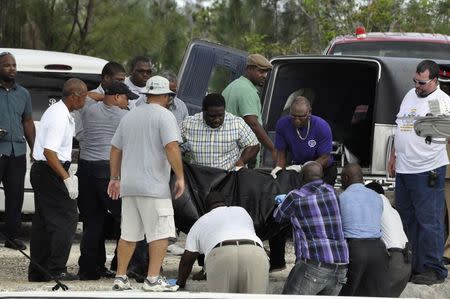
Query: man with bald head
(320,248)
(361,210)
(306,137)
(55,188)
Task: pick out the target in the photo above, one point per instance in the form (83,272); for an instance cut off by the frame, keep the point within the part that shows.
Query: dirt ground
(13,273)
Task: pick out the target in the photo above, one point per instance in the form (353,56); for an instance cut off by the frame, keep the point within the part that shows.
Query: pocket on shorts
(166,223)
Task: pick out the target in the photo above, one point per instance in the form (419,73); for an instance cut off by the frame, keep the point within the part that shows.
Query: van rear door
(207,67)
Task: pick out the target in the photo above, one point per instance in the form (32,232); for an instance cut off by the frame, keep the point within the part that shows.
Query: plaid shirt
(216,147)
(314,213)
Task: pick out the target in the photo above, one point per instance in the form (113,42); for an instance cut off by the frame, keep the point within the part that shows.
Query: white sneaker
(175,249)
(121,284)
(161,285)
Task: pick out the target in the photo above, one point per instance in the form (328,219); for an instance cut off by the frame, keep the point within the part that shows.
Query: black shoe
(428,278)
(38,279)
(276,268)
(446,260)
(106,273)
(200,275)
(15,244)
(88,276)
(66,276)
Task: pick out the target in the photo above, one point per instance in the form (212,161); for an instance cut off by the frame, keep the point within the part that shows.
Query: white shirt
(220,224)
(413,155)
(392,232)
(56,131)
(137,90)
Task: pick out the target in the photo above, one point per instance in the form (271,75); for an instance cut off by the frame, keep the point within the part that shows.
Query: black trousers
(12,176)
(54,222)
(94,205)
(367,270)
(399,271)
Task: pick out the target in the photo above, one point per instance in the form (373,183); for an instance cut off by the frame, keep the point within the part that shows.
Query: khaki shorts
(152,217)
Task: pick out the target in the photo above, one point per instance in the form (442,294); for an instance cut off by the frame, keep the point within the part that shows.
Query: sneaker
(121,284)
(276,268)
(161,285)
(175,249)
(428,278)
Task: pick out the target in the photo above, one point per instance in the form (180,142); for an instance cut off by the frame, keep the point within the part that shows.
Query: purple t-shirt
(318,142)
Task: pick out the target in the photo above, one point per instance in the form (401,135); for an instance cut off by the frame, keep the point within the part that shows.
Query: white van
(43,74)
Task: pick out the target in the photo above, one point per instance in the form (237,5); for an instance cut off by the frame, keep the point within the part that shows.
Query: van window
(394,49)
(46,87)
(220,78)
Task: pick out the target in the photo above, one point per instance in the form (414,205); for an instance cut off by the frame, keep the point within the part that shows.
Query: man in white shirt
(55,188)
(419,169)
(141,70)
(235,258)
(393,235)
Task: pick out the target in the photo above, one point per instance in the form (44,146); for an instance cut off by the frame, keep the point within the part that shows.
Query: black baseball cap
(117,87)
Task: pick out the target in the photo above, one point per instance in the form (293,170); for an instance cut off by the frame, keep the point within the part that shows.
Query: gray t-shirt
(100,122)
(142,136)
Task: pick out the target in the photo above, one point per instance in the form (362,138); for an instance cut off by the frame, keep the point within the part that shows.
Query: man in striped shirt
(216,138)
(320,248)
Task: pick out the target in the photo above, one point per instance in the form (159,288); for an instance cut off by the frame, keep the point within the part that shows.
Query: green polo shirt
(242,99)
(15,104)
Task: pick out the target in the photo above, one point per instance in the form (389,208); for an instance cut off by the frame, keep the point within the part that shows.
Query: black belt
(65,164)
(324,265)
(237,243)
(394,249)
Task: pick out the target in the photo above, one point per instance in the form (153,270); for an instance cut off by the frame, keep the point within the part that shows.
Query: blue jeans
(421,208)
(309,279)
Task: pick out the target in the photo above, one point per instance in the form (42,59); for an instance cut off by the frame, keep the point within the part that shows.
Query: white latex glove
(72,186)
(236,168)
(294,167)
(274,171)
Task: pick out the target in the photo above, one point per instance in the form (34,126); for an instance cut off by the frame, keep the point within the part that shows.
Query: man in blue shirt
(16,121)
(361,210)
(320,248)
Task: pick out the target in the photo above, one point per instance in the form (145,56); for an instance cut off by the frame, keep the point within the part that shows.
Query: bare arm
(29,131)
(174,157)
(391,163)
(115,161)
(247,154)
(253,123)
(185,267)
(96,96)
(323,160)
(55,164)
(281,159)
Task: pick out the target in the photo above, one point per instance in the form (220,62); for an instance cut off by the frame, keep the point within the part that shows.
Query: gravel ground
(13,273)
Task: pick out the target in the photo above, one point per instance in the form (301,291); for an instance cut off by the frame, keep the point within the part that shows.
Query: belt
(63,163)
(324,265)
(237,243)
(394,249)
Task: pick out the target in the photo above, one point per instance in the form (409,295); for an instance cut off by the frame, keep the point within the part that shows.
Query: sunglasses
(141,71)
(421,82)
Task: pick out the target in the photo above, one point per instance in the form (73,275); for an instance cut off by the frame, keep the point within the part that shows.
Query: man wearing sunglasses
(141,70)
(419,169)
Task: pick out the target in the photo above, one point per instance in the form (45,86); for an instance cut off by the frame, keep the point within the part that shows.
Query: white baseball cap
(157,85)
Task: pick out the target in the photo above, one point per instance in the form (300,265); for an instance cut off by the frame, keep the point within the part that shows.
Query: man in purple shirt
(307,138)
(320,247)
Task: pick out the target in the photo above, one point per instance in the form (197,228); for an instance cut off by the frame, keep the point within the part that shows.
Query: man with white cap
(242,98)
(144,148)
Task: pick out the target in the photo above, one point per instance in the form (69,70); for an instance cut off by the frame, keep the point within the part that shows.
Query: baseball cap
(259,61)
(117,87)
(157,85)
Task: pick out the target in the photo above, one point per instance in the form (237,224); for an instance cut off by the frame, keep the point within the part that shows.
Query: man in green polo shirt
(16,121)
(242,98)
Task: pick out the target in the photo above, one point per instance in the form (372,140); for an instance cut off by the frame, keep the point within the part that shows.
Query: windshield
(426,50)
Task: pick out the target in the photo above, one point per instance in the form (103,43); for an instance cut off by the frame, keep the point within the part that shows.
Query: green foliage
(121,29)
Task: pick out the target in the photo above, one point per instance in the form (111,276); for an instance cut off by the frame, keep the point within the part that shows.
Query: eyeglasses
(142,71)
(5,53)
(421,82)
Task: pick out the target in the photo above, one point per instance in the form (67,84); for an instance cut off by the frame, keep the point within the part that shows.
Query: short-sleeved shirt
(217,147)
(137,90)
(56,132)
(142,136)
(392,231)
(361,210)
(100,122)
(77,115)
(177,107)
(413,154)
(218,225)
(242,99)
(15,104)
(318,141)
